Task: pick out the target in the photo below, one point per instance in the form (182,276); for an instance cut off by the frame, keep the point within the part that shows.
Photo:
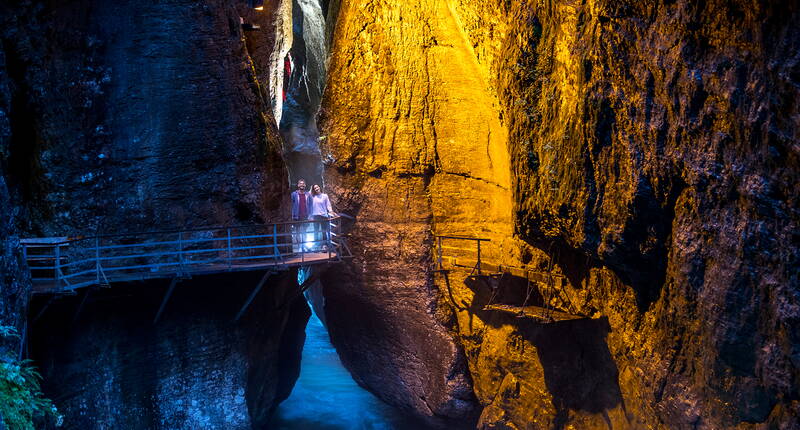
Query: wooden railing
(64,264)
(550,285)
(440,249)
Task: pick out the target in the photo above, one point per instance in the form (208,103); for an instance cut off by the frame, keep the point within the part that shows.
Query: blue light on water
(327,398)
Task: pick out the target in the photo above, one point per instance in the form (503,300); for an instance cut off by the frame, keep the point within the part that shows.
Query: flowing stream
(327,398)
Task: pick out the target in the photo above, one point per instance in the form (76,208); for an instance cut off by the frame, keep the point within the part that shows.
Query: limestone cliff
(666,136)
(134,116)
(415,143)
(648,149)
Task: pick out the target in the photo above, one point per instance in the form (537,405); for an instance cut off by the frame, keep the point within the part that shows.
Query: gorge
(643,156)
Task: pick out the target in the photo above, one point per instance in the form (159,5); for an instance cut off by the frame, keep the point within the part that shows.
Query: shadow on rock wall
(578,370)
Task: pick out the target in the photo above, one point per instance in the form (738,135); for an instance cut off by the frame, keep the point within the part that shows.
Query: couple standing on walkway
(313,206)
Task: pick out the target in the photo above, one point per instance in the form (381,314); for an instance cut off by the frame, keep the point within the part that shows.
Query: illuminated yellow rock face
(409,102)
(417,148)
(592,134)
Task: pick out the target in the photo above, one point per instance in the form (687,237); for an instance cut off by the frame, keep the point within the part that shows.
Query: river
(327,398)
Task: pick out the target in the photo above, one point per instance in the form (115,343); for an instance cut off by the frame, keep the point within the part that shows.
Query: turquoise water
(327,398)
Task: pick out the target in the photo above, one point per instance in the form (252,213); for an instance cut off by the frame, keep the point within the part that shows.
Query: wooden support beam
(166,297)
(253,294)
(23,341)
(44,308)
(535,312)
(80,306)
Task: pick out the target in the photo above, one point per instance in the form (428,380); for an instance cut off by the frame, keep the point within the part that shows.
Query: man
(301,203)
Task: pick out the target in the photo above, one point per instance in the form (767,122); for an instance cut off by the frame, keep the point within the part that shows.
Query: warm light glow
(259,8)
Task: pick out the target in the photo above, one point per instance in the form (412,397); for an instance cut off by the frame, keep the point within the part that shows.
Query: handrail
(478,240)
(554,282)
(193,229)
(196,250)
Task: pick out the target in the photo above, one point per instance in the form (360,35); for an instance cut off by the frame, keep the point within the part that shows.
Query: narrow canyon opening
(324,384)
(305,64)
(326,396)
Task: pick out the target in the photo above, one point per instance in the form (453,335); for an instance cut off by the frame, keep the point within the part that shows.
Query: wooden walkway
(63,265)
(534,312)
(550,285)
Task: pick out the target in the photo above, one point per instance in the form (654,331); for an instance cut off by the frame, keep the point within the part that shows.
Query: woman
(321,211)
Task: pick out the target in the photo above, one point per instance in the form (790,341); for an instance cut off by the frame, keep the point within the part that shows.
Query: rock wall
(14,280)
(107,364)
(664,134)
(136,116)
(648,149)
(414,144)
(140,115)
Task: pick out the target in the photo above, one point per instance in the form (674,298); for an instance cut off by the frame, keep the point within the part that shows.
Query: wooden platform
(492,269)
(534,312)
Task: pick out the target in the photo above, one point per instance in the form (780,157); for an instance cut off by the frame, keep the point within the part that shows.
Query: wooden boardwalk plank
(535,312)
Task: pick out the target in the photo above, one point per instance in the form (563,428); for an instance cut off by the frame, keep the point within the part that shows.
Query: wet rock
(304,65)
(413,144)
(106,363)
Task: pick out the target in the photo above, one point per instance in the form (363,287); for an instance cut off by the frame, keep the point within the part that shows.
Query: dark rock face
(138,114)
(305,80)
(135,116)
(109,366)
(669,156)
(14,279)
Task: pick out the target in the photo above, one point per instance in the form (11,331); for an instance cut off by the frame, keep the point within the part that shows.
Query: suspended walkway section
(548,285)
(63,264)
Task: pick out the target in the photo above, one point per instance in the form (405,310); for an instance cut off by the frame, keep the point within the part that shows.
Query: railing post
(180,251)
(329,244)
(275,251)
(58,266)
(439,251)
(230,256)
(479,257)
(97,258)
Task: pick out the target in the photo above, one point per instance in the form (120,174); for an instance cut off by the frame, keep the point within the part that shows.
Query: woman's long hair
(314,189)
